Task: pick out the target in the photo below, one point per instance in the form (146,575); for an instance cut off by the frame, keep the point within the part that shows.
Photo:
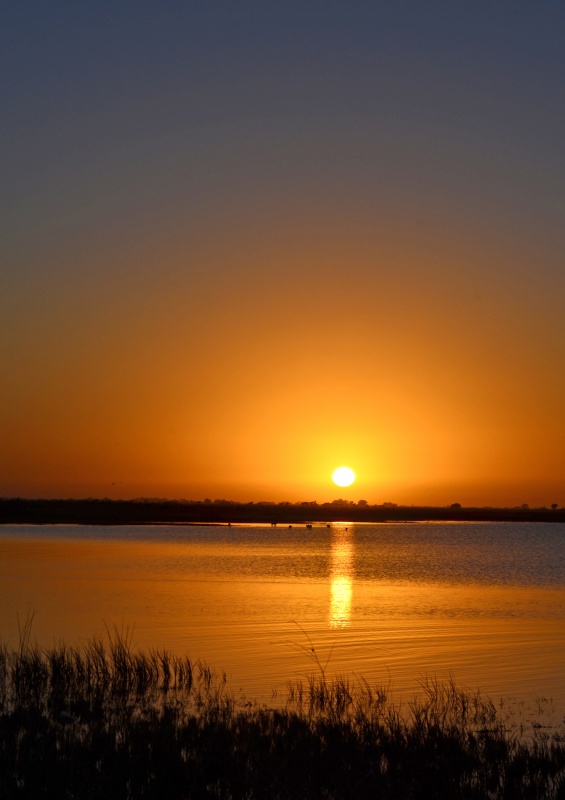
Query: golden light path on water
(233,604)
(341,564)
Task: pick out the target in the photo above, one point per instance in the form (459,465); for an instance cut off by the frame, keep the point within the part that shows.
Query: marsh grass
(106,721)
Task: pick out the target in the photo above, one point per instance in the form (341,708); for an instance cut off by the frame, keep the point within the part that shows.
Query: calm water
(391,602)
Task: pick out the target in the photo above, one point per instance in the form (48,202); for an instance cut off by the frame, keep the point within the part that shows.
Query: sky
(244,243)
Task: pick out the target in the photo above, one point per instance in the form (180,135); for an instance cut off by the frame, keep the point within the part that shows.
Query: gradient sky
(243,243)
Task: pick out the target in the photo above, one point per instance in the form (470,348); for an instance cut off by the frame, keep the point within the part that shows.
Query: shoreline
(19,511)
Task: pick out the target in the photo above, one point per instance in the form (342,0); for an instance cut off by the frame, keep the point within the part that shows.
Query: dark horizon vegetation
(102,720)
(150,511)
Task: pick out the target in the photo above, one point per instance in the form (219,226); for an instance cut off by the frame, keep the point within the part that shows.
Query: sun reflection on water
(341,575)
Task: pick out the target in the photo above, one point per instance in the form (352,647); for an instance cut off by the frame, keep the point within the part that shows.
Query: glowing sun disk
(343,476)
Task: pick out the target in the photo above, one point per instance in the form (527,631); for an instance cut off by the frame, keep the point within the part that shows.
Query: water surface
(392,602)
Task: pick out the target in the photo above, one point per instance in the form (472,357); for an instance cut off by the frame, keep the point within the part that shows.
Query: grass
(105,721)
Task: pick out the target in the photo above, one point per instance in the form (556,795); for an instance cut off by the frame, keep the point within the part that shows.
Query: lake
(393,603)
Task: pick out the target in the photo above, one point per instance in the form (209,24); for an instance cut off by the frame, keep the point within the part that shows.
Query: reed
(106,721)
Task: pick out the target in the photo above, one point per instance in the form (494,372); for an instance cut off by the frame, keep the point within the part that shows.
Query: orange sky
(229,298)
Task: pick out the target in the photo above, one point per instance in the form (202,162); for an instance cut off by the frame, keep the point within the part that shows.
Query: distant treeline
(152,512)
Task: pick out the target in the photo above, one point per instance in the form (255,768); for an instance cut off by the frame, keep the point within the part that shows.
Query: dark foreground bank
(106,722)
(20,511)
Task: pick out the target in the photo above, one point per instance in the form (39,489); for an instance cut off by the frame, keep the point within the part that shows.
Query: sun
(343,476)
